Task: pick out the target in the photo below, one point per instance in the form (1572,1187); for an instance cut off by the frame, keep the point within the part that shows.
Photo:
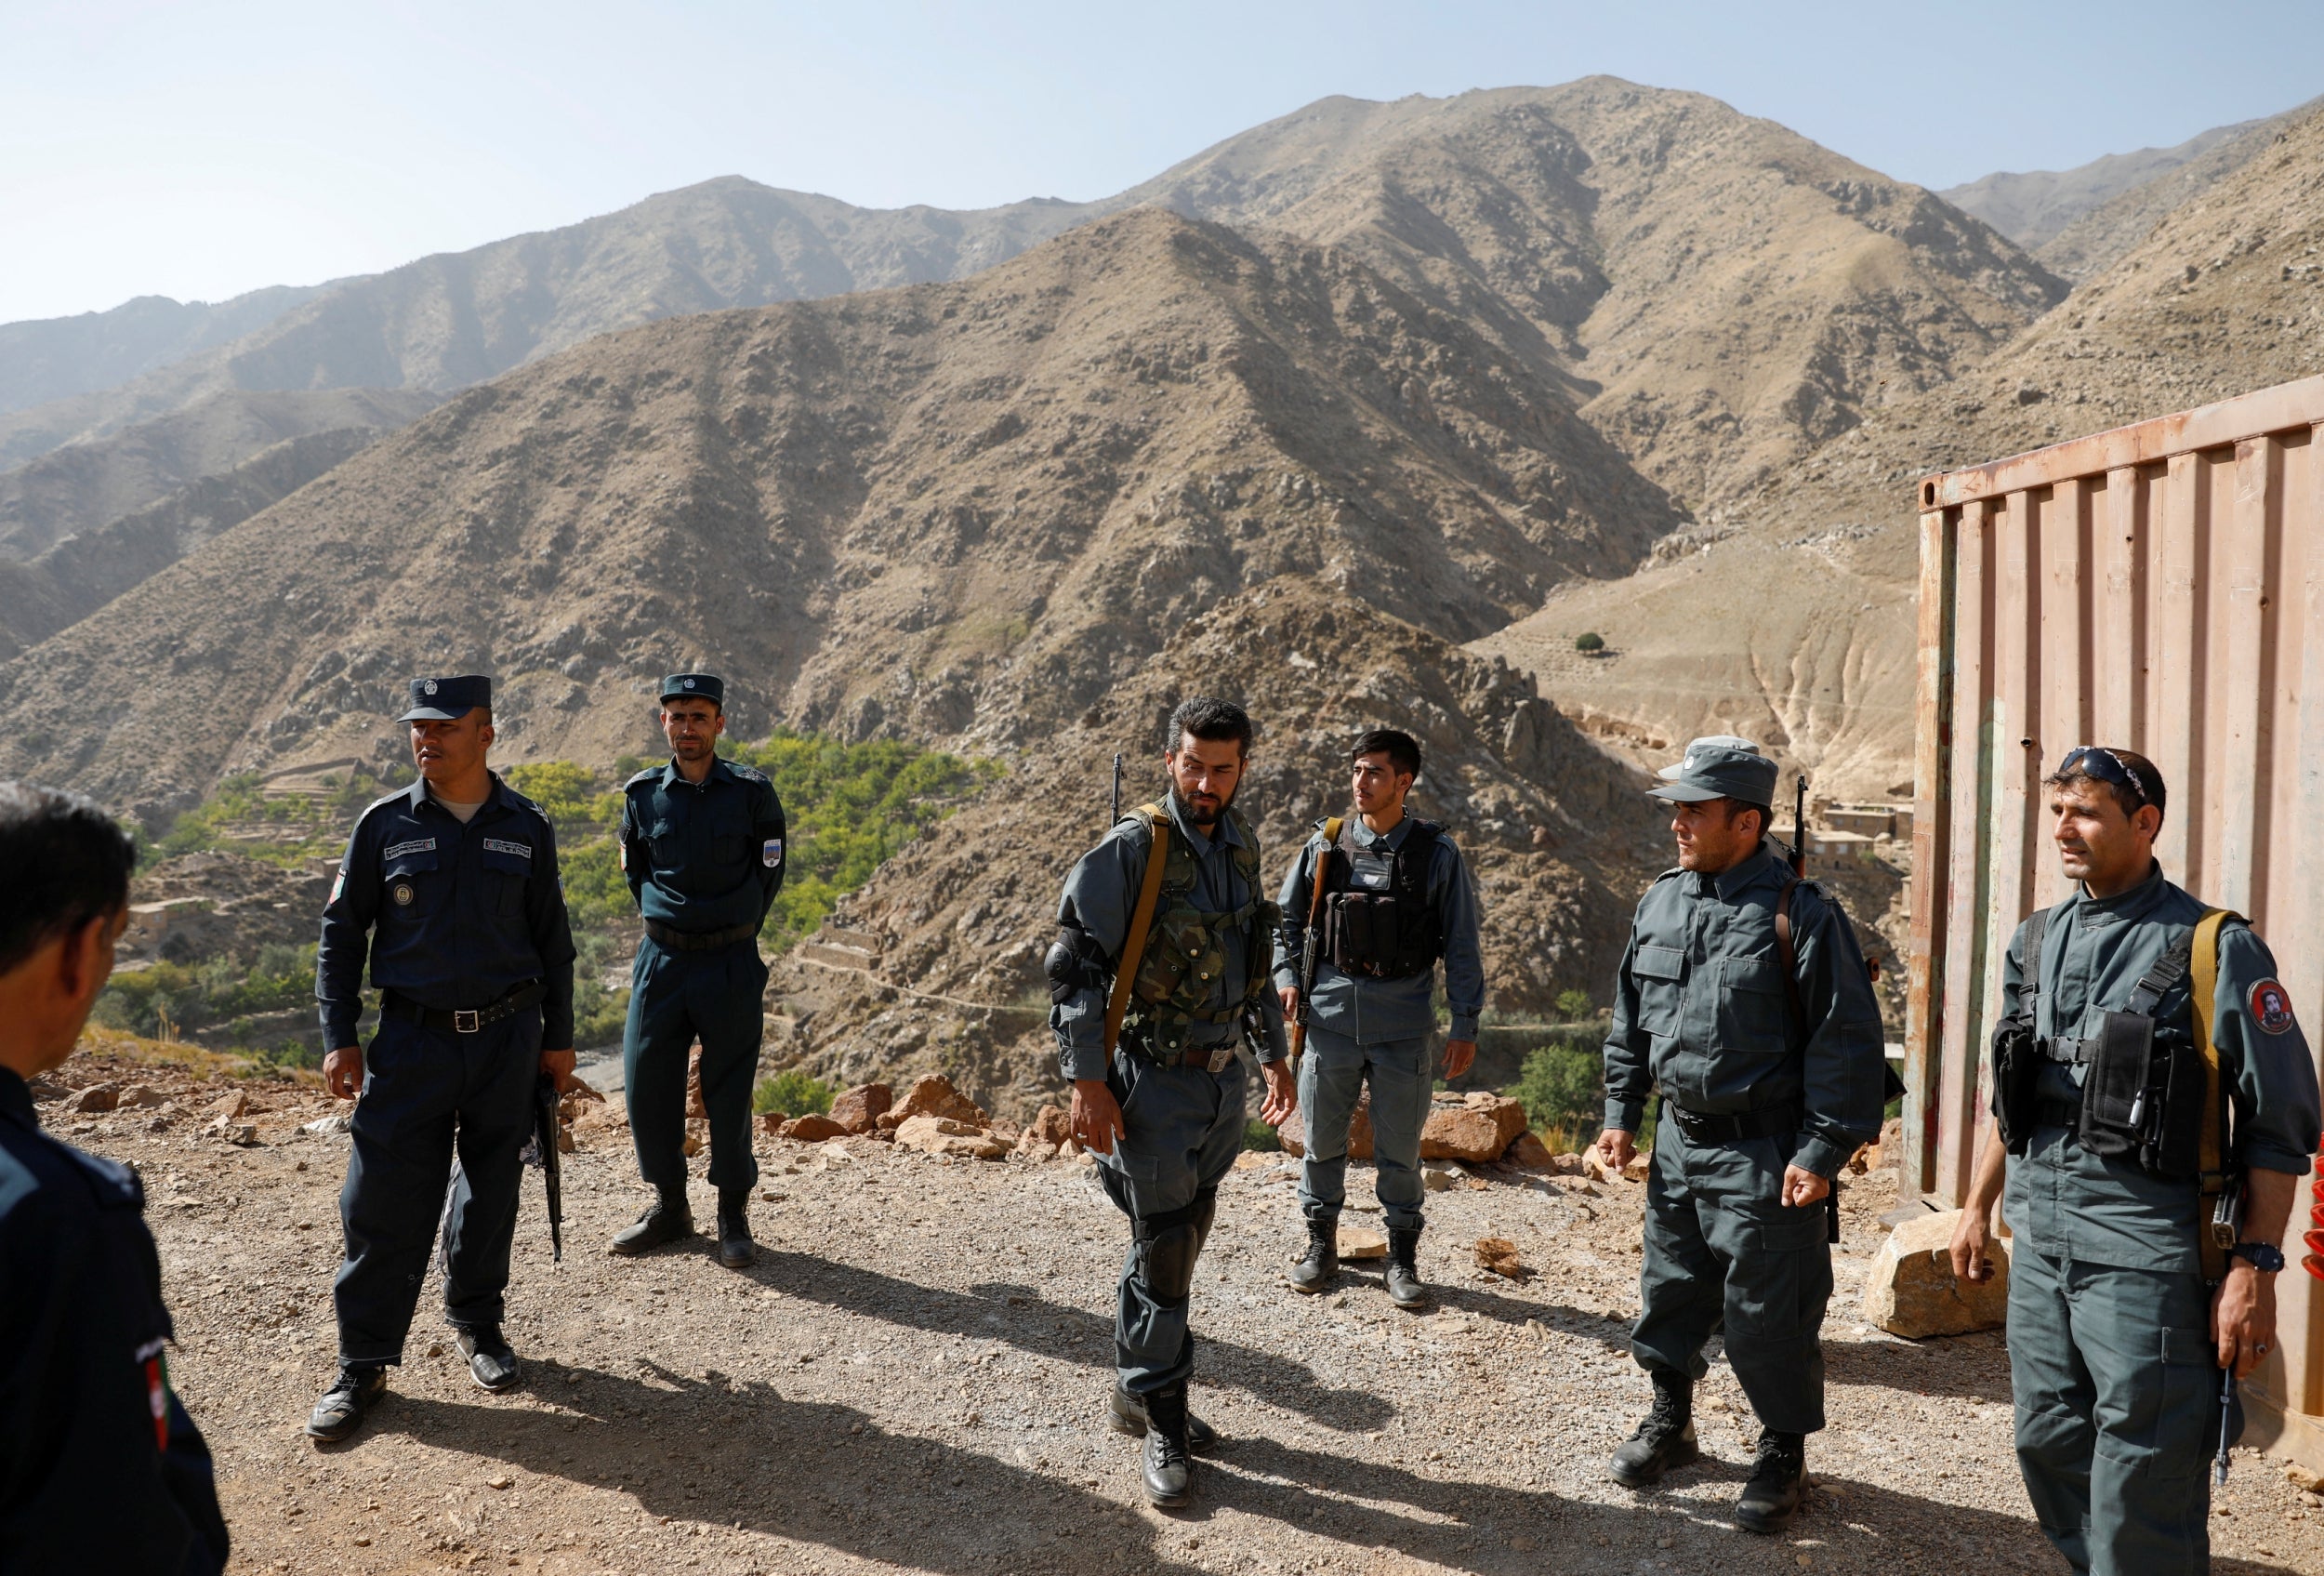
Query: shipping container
(2161,587)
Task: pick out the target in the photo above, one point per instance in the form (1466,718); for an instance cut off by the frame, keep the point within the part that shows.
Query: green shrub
(1259,1135)
(1590,642)
(794,1091)
(1574,1005)
(1561,1087)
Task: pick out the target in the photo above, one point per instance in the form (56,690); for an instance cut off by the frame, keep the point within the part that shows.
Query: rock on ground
(1477,1130)
(1910,1288)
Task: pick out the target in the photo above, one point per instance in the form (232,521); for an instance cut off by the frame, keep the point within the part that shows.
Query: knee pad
(1168,1255)
(1206,1211)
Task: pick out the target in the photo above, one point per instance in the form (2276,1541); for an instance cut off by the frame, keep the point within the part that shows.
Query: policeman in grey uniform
(1743,998)
(1163,1113)
(1395,898)
(2117,1347)
(702,847)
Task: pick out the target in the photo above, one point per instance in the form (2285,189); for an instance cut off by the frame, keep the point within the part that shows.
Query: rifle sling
(1141,922)
(2214,1150)
(1314,918)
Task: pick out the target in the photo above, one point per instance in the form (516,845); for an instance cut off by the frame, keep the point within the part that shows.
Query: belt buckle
(1220,1057)
(464,1021)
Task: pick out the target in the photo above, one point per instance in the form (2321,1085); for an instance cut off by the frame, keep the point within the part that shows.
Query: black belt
(697,941)
(2058,1113)
(2069,1053)
(1199,1056)
(465,1020)
(1768,1122)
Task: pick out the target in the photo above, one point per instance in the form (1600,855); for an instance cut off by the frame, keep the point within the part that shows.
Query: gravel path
(912,1378)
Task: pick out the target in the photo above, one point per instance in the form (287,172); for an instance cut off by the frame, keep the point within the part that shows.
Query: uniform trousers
(1332,1074)
(1724,1252)
(675,999)
(430,1094)
(1182,1128)
(2117,1385)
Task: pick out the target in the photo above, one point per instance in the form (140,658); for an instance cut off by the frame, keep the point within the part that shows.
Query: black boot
(1666,1439)
(1317,1269)
(666,1220)
(1405,1288)
(492,1362)
(341,1409)
(1778,1479)
(1127,1414)
(1169,1467)
(736,1251)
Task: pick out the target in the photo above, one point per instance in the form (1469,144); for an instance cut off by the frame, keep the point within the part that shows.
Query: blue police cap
(1720,766)
(696,686)
(440,700)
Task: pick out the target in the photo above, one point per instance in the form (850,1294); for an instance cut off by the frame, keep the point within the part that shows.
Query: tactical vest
(1378,920)
(1185,952)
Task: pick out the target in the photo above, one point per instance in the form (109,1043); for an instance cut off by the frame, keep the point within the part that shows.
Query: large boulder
(1477,1130)
(1910,1288)
(812,1128)
(943,1135)
(860,1108)
(934,1097)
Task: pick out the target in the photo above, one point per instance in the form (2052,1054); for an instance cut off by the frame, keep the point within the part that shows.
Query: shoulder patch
(2271,1007)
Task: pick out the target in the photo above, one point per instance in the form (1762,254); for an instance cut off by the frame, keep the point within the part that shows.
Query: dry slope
(1792,619)
(959,511)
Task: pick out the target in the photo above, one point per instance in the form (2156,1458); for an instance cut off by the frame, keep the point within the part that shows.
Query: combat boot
(736,1251)
(1317,1269)
(666,1220)
(492,1362)
(1127,1414)
(1405,1288)
(1169,1467)
(1666,1439)
(341,1409)
(1778,1479)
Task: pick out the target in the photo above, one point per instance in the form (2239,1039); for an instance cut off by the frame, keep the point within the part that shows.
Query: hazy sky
(198,150)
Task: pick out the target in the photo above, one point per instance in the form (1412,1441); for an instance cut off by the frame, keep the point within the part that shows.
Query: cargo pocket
(1779,1281)
(1660,972)
(1751,1005)
(2170,1409)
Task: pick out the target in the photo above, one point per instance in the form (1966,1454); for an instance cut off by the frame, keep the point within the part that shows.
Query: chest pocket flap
(509,862)
(1751,1005)
(1665,963)
(411,881)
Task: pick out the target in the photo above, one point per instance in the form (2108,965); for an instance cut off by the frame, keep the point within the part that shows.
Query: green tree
(1590,642)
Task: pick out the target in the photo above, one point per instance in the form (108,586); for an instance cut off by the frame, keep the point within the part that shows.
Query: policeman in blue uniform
(450,890)
(2116,1342)
(100,1468)
(1744,998)
(703,845)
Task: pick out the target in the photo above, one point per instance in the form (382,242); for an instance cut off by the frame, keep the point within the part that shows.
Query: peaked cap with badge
(442,700)
(1719,766)
(696,686)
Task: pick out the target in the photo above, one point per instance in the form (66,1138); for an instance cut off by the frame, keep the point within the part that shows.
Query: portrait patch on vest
(770,854)
(417,845)
(2271,1007)
(500,845)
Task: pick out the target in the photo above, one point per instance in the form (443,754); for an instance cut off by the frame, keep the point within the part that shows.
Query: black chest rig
(1377,921)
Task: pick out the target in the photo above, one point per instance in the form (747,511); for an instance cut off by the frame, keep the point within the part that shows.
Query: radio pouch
(2017,1052)
(2118,1084)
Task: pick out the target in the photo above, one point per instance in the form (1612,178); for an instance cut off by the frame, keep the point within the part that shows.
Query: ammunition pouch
(1074,960)
(1377,921)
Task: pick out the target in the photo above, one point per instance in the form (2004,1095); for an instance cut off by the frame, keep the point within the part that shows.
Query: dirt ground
(912,1378)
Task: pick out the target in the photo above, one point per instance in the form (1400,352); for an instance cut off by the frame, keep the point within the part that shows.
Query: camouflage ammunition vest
(1186,954)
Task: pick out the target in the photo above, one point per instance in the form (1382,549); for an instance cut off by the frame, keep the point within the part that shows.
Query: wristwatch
(2266,1257)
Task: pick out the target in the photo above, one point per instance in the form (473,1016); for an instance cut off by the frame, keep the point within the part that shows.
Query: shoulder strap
(2203,989)
(1788,953)
(1323,868)
(1141,921)
(2030,987)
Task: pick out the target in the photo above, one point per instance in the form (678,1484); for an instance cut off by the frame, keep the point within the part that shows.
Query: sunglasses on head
(2096,761)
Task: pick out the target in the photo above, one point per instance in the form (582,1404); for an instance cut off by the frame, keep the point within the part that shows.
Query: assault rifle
(1117,791)
(545,1135)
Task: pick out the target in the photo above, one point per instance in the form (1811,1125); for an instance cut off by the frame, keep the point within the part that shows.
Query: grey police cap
(1720,766)
(440,700)
(696,686)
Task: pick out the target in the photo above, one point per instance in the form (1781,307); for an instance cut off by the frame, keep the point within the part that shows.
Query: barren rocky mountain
(86,570)
(44,359)
(960,511)
(2033,206)
(84,485)
(1790,616)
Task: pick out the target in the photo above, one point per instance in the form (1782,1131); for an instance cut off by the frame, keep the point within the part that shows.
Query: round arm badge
(2271,1006)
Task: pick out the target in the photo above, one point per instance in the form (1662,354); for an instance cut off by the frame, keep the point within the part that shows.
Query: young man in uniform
(1395,896)
(702,843)
(2116,1344)
(100,1468)
(1163,1113)
(1743,998)
(450,890)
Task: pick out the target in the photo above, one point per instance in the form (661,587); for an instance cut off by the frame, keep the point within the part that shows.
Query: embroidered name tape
(500,845)
(417,845)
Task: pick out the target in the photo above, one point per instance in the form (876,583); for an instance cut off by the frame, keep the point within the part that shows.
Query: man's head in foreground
(67,901)
(1209,746)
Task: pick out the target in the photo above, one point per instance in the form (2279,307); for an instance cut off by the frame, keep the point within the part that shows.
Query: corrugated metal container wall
(2161,587)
